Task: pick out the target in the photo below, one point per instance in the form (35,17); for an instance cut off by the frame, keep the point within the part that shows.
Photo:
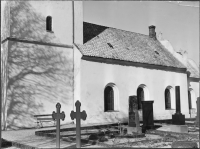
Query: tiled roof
(91,30)
(194,72)
(107,42)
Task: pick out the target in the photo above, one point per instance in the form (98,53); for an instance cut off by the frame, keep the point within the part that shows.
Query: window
(108,99)
(140,97)
(156,52)
(167,99)
(111,98)
(49,23)
(110,45)
(189,100)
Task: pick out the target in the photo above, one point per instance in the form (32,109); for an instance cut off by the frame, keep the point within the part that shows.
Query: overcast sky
(178,21)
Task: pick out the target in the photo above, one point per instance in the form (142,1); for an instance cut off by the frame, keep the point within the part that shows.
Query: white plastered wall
(31,26)
(127,79)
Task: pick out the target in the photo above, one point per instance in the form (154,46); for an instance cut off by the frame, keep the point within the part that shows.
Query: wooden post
(78,115)
(58,116)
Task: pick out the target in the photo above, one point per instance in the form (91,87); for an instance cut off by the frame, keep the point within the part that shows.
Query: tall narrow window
(167,99)
(140,97)
(108,99)
(189,100)
(49,23)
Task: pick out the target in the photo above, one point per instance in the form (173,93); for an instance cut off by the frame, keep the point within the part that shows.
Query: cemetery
(148,133)
(175,134)
(69,82)
(140,134)
(109,136)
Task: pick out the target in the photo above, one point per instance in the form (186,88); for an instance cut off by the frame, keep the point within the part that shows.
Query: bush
(93,137)
(5,143)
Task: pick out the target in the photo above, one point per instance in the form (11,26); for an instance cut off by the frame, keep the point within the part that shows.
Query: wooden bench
(44,118)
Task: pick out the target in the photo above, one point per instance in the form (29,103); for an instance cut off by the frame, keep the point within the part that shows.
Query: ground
(152,139)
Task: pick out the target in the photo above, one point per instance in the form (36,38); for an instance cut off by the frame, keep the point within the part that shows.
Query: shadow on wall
(35,73)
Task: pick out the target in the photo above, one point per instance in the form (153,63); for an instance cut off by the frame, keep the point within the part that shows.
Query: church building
(51,55)
(120,64)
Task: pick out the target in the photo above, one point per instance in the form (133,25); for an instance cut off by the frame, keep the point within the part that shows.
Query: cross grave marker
(78,116)
(133,107)
(57,116)
(178,118)
(133,121)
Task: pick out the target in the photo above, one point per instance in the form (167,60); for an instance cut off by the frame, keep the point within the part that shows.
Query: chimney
(152,33)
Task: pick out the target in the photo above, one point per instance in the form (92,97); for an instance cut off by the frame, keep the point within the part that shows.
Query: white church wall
(127,79)
(51,79)
(77,75)
(5,13)
(78,22)
(39,78)
(4,64)
(60,11)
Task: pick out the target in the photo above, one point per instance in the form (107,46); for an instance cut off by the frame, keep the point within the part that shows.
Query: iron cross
(57,116)
(78,116)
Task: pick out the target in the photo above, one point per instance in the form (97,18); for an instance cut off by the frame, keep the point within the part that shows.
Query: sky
(177,21)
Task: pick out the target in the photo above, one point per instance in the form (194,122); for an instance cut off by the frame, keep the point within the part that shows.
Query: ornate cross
(57,116)
(78,116)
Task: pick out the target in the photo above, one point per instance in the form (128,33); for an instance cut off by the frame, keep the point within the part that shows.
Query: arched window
(189,100)
(140,97)
(108,99)
(111,98)
(49,23)
(167,99)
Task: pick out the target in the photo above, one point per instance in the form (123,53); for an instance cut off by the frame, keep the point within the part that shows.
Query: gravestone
(147,110)
(78,115)
(133,112)
(133,121)
(57,116)
(198,112)
(178,118)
